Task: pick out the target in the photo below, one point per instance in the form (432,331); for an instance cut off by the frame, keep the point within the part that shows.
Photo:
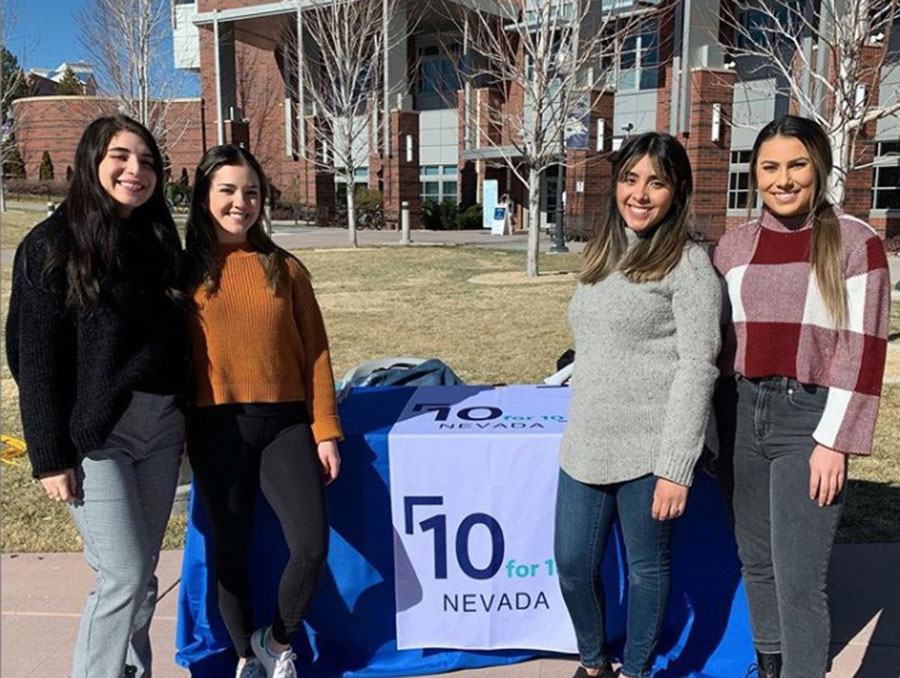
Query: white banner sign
(473,488)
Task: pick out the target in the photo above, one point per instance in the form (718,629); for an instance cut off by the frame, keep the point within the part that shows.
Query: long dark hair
(825,246)
(652,257)
(88,249)
(203,265)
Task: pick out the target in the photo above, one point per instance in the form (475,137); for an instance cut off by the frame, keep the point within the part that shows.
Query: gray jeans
(784,538)
(125,493)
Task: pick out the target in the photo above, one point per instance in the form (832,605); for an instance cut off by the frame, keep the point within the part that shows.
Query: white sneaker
(252,668)
(276,665)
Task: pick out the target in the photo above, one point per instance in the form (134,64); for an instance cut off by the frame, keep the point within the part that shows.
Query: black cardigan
(76,370)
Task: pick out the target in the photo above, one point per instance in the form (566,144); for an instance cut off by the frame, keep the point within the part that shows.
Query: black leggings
(234,449)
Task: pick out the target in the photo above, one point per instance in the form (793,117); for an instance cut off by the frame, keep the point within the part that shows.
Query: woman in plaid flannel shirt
(809,292)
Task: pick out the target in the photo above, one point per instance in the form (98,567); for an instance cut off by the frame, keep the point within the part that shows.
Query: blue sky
(46,33)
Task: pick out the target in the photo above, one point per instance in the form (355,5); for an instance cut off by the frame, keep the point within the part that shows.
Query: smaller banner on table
(473,487)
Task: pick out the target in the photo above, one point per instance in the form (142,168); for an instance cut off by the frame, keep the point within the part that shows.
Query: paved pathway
(42,595)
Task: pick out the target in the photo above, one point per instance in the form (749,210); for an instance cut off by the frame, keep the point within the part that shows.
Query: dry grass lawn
(391,301)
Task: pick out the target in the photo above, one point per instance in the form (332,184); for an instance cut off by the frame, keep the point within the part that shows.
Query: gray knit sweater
(645,364)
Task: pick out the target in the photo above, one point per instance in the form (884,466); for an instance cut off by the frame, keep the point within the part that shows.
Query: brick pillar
(590,170)
(710,159)
(400,176)
(238,132)
(488,102)
(858,187)
(664,82)
(315,186)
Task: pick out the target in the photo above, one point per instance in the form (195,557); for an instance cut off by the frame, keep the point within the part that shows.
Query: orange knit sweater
(250,346)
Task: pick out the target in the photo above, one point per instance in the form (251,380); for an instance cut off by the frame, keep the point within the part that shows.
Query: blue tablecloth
(350,626)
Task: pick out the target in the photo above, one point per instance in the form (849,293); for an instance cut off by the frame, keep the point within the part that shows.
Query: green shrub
(470,218)
(447,216)
(367,198)
(14,166)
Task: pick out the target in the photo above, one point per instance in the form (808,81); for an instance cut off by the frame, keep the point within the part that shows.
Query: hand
(827,473)
(669,500)
(330,459)
(60,485)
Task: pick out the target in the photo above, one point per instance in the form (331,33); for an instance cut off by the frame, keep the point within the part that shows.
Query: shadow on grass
(870,513)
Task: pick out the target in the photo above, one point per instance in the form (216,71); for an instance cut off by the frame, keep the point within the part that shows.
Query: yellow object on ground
(12,448)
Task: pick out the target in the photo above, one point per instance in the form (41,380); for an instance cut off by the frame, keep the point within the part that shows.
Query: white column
(220,122)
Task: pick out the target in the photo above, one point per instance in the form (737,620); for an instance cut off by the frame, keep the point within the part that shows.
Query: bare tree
(257,90)
(12,86)
(342,50)
(549,55)
(820,55)
(125,39)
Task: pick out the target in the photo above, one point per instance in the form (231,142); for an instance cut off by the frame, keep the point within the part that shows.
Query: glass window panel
(429,77)
(628,79)
(430,170)
(887,188)
(449,170)
(431,189)
(887,199)
(886,147)
(450,187)
(649,78)
(887,177)
(449,79)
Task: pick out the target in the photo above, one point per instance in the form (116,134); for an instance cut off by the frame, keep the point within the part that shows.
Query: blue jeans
(124,495)
(584,516)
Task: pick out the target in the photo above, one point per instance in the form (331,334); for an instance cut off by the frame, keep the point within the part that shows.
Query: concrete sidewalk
(42,595)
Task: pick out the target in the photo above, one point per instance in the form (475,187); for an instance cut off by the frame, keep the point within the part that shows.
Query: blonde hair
(825,249)
(653,257)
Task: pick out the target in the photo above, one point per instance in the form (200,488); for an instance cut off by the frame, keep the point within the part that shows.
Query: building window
(631,63)
(438,183)
(436,73)
(639,59)
(739,180)
(886,182)
(768,27)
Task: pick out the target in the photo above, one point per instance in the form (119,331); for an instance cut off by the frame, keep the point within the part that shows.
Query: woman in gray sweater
(645,318)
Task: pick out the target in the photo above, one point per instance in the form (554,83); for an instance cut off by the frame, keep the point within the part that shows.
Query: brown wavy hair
(825,250)
(203,265)
(657,252)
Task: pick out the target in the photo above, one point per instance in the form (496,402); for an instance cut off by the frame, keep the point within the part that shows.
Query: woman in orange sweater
(264,411)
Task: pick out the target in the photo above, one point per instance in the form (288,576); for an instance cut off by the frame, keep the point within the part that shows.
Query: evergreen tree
(13,165)
(13,86)
(69,85)
(45,170)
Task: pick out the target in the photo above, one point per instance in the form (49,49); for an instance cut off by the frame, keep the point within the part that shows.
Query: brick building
(672,75)
(54,124)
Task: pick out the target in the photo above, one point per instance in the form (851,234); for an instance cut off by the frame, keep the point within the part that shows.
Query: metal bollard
(404,223)
(50,208)
(267,210)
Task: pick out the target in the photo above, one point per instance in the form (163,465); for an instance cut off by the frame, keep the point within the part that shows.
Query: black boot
(130,671)
(605,672)
(768,665)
